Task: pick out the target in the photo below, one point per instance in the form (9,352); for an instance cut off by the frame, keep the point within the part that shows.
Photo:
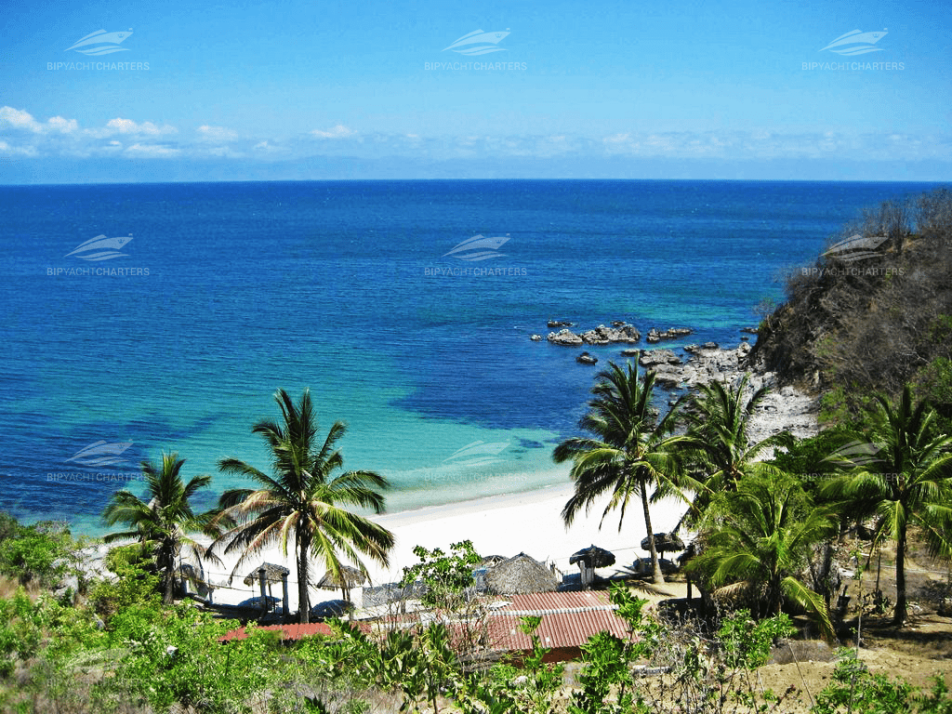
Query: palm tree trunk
(899,615)
(167,564)
(657,577)
(304,606)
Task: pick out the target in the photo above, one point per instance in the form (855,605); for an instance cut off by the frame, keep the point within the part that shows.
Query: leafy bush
(34,554)
(854,688)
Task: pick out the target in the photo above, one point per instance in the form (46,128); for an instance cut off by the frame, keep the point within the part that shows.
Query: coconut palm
(304,500)
(902,474)
(756,540)
(720,438)
(162,523)
(630,452)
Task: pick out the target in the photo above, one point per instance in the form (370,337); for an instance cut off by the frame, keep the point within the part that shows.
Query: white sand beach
(527,522)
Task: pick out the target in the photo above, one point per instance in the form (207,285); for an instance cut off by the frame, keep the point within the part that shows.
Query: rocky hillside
(873,311)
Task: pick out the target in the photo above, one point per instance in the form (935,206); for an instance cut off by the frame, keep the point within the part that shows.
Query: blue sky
(361,90)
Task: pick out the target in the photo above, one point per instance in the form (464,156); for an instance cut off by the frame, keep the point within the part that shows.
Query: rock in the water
(602,335)
(631,352)
(667,375)
(654,335)
(554,324)
(536,338)
(564,337)
(586,358)
(749,330)
(649,358)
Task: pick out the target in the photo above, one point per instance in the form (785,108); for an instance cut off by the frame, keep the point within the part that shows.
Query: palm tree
(303,499)
(756,540)
(904,477)
(630,451)
(162,524)
(721,440)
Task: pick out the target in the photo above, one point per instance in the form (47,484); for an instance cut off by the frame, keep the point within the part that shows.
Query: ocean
(190,304)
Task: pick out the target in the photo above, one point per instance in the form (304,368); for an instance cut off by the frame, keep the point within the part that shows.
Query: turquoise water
(234,290)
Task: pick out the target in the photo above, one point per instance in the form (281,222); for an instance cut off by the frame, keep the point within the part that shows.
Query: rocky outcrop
(600,335)
(672,333)
(555,324)
(586,358)
(652,358)
(535,338)
(783,409)
(565,337)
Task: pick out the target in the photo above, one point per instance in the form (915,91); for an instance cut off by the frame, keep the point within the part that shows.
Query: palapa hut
(665,542)
(351,578)
(520,574)
(272,574)
(590,558)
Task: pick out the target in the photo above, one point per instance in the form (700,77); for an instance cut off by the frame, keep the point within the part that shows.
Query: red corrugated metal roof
(549,602)
(556,629)
(291,632)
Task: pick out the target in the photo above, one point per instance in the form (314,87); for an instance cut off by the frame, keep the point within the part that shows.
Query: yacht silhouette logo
(477,453)
(101,42)
(478,42)
(101,453)
(856,43)
(101,248)
(857,453)
(856,247)
(478,247)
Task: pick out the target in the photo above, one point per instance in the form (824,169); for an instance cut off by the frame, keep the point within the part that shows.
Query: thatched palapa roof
(521,574)
(665,542)
(593,557)
(272,574)
(351,576)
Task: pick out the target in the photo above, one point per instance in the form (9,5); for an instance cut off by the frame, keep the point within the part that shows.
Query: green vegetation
(162,524)
(904,479)
(303,500)
(720,452)
(631,451)
(34,555)
(755,539)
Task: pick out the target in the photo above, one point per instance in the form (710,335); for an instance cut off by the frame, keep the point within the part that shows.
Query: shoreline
(523,521)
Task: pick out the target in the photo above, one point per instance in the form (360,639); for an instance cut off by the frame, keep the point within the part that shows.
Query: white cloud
(127,126)
(216,133)
(11,118)
(151,151)
(7,150)
(337,132)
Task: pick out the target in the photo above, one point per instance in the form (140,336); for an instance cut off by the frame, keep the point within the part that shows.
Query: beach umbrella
(593,557)
(520,574)
(669,542)
(272,574)
(350,578)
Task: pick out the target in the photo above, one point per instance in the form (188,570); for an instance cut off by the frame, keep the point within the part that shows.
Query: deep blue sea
(178,338)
